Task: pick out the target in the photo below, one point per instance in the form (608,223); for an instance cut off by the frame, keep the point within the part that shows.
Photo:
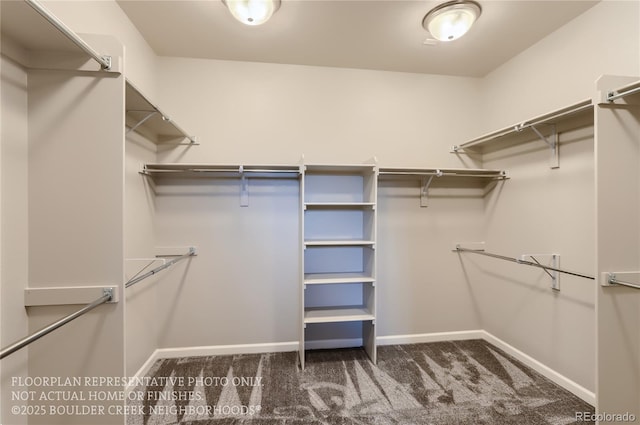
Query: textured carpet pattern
(463,382)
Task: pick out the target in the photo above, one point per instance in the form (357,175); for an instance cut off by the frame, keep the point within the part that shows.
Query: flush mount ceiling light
(252,12)
(451,20)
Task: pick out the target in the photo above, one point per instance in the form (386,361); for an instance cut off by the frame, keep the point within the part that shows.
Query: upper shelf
(362,169)
(221,171)
(147,119)
(404,173)
(564,117)
(472,178)
(36,38)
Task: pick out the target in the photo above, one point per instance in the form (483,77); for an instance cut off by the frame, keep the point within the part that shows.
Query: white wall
(141,324)
(563,67)
(543,210)
(256,112)
(106,17)
(245,275)
(14,228)
(618,250)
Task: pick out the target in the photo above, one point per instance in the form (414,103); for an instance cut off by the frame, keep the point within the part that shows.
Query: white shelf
(337,314)
(400,173)
(147,119)
(221,170)
(339,205)
(340,169)
(338,243)
(331,278)
(583,109)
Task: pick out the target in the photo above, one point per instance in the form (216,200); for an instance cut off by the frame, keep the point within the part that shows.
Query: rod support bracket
(551,141)
(553,260)
(109,291)
(106,64)
(244,189)
(424,191)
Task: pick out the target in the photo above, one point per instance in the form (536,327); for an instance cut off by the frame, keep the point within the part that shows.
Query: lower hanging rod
(168,264)
(525,262)
(108,294)
(613,280)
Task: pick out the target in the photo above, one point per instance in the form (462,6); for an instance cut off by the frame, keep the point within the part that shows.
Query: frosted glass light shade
(252,12)
(450,21)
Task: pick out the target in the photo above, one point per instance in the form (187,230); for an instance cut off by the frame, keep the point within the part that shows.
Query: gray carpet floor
(462,382)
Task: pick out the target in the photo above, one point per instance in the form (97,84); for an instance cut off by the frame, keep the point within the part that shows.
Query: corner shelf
(552,123)
(147,119)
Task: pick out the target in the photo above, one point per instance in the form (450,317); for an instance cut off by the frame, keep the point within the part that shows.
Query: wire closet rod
(524,262)
(613,95)
(103,60)
(53,326)
(615,281)
(221,170)
(168,264)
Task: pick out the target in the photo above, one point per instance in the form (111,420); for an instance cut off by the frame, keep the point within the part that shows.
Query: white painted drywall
(256,112)
(245,276)
(141,324)
(14,230)
(106,17)
(562,68)
(543,210)
(618,250)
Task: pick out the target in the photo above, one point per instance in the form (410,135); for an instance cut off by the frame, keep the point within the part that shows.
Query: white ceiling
(368,34)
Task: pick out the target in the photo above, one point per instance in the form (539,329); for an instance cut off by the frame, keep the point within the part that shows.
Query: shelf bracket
(551,141)
(244,188)
(142,121)
(424,191)
(553,261)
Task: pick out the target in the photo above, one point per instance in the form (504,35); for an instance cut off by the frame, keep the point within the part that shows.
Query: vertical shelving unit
(338,276)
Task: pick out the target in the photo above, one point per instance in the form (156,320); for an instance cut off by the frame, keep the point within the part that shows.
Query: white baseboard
(544,370)
(430,337)
(212,350)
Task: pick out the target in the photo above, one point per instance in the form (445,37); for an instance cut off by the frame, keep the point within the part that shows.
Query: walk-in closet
(323,212)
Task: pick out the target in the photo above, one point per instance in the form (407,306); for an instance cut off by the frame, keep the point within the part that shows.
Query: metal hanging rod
(220,170)
(103,60)
(525,262)
(613,280)
(223,171)
(613,95)
(191,253)
(108,295)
